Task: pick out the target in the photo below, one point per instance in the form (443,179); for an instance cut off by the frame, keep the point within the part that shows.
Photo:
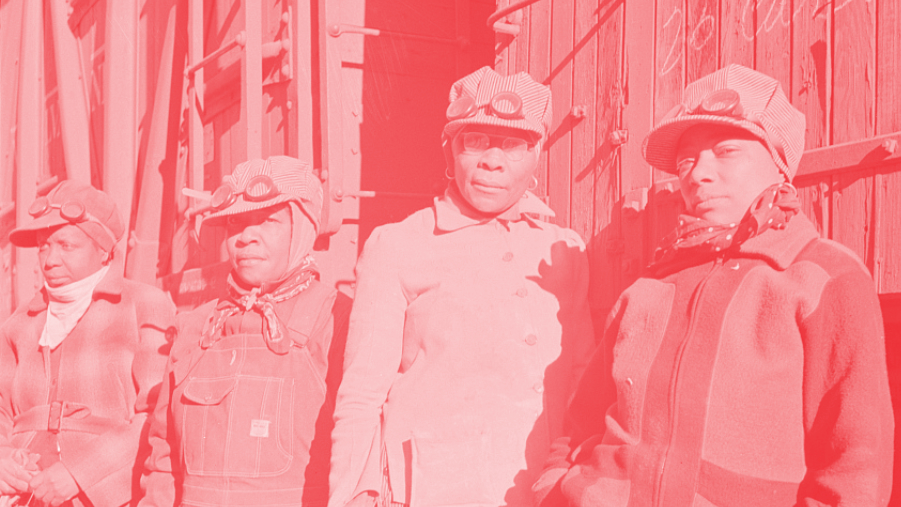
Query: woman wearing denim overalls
(244,413)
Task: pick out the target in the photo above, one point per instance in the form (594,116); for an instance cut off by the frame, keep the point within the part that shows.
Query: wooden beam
(120,97)
(29,141)
(855,155)
(73,107)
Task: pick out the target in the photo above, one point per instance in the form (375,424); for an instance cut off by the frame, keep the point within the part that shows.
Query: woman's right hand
(16,471)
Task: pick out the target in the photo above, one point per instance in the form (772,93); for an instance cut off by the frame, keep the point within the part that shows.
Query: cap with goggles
(739,97)
(487,98)
(73,203)
(259,183)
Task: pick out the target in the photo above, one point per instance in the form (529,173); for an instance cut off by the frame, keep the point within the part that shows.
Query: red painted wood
(585,92)
(853,212)
(774,42)
(539,20)
(811,72)
(560,139)
(737,33)
(606,280)
(888,234)
(888,70)
(701,48)
(670,61)
(854,78)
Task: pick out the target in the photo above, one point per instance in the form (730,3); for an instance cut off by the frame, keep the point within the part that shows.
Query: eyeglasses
(259,188)
(476,143)
(506,105)
(73,211)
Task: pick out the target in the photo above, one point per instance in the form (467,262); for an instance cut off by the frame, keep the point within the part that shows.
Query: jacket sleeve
(371,362)
(585,415)
(849,427)
(7,375)
(96,464)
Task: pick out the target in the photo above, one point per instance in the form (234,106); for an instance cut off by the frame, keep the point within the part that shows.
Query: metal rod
(338,29)
(29,140)
(120,99)
(196,95)
(238,41)
(507,10)
(73,110)
(340,195)
(252,79)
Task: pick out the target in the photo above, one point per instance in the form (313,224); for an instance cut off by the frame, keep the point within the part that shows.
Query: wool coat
(110,368)
(754,377)
(238,424)
(466,339)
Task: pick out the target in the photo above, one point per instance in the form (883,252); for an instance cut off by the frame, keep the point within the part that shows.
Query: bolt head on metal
(579,112)
(890,145)
(618,137)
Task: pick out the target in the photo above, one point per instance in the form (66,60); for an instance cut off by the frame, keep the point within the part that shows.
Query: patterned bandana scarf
(772,209)
(241,300)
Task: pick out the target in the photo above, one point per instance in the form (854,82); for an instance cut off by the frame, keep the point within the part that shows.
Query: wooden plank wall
(838,62)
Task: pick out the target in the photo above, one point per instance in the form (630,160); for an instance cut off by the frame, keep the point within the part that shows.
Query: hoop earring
(534,184)
(447,173)
(788,184)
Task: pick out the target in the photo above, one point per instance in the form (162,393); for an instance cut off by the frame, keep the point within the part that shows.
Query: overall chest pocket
(240,426)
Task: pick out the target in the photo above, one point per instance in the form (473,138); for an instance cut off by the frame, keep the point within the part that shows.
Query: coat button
(523,292)
(539,387)
(508,257)
(531,339)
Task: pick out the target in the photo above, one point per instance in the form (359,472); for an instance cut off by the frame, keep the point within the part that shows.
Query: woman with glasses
(81,363)
(470,324)
(245,407)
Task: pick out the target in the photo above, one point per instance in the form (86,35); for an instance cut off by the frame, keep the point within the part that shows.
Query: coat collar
(452,212)
(781,246)
(111,285)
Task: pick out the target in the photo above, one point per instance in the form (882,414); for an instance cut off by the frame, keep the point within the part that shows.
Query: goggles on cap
(505,105)
(724,102)
(260,188)
(73,211)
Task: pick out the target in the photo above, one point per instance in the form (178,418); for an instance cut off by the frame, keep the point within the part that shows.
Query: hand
(54,485)
(364,499)
(15,473)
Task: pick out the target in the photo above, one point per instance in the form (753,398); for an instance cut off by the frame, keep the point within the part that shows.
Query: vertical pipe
(29,153)
(120,106)
(195,96)
(73,110)
(145,243)
(252,79)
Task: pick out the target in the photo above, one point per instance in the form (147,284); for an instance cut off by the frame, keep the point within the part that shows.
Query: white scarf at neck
(66,306)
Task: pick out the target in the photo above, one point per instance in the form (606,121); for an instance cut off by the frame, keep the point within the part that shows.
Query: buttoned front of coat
(465,341)
(110,367)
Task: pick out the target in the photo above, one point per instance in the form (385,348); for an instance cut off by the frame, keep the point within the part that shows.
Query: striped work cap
(737,96)
(487,98)
(258,184)
(73,203)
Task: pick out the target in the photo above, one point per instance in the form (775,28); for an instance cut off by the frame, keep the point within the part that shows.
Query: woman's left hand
(54,485)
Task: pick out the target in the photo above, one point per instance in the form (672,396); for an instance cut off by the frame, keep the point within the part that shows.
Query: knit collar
(452,212)
(110,286)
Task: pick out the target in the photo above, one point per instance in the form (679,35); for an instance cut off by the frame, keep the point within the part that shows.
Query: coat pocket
(239,426)
(453,470)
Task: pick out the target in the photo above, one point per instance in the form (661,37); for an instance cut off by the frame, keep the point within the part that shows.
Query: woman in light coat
(470,324)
